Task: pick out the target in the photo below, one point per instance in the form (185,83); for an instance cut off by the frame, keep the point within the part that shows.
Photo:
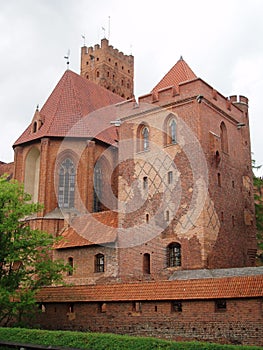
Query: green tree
(25,255)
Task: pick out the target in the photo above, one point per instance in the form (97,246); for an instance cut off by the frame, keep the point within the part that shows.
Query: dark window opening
(35,127)
(219,179)
(71,308)
(99,263)
(71,263)
(176,306)
(170,177)
(220,305)
(145,182)
(147,218)
(146,263)
(174,255)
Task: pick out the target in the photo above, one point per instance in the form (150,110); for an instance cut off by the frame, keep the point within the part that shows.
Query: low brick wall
(239,322)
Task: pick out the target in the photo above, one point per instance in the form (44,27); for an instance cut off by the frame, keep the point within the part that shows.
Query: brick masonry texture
(173,169)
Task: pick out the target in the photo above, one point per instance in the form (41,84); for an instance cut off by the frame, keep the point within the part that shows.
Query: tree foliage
(25,254)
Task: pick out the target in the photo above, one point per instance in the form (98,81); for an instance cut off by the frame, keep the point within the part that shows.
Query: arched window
(223,137)
(66,186)
(32,166)
(97,189)
(99,263)
(174,255)
(143,138)
(172,131)
(146,263)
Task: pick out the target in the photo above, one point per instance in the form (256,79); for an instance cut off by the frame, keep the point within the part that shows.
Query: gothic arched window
(174,255)
(172,131)
(66,186)
(97,189)
(145,136)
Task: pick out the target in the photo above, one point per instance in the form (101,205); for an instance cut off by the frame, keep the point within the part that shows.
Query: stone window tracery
(66,186)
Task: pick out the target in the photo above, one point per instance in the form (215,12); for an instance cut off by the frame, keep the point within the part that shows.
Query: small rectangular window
(220,305)
(176,306)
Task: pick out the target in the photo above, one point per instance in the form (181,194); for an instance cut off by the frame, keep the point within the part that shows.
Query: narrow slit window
(170,177)
(145,182)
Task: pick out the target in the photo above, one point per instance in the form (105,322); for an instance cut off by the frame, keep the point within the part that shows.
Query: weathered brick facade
(141,190)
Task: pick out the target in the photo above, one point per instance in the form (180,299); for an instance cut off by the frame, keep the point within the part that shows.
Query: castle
(153,199)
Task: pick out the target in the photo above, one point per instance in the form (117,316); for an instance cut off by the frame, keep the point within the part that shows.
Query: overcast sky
(222,41)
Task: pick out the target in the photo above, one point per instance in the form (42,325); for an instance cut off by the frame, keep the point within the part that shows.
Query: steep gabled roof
(73,98)
(201,289)
(179,73)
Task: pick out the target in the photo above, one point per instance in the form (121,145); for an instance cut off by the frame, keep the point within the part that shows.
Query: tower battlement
(108,67)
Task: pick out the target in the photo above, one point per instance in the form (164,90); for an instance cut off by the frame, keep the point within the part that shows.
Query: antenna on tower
(67,58)
(109,29)
(84,39)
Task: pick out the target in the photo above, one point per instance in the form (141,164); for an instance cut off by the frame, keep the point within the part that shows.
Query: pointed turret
(179,73)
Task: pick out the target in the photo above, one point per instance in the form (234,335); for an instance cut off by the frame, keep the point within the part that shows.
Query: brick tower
(109,68)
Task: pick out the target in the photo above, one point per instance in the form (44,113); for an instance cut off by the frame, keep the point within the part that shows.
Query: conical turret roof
(179,73)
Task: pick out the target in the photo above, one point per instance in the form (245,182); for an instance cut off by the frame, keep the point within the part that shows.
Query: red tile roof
(229,287)
(72,99)
(90,229)
(179,73)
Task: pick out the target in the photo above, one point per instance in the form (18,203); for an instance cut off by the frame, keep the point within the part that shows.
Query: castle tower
(109,68)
